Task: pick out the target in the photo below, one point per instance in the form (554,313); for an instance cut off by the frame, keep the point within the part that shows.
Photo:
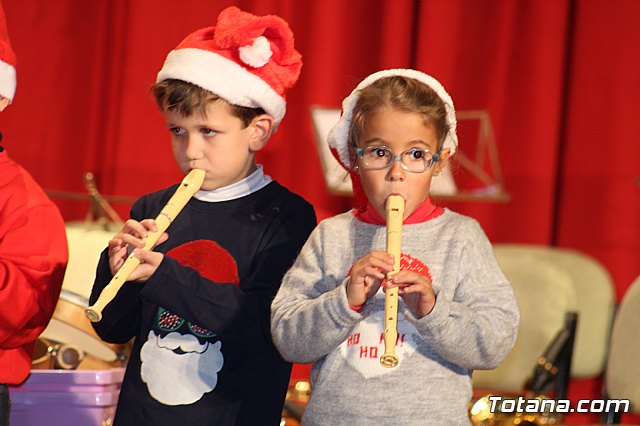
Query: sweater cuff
(343,303)
(435,318)
(156,281)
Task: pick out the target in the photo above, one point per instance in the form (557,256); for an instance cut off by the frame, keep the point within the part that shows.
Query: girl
(457,311)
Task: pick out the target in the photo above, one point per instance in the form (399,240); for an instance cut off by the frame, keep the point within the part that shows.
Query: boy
(199,303)
(33,257)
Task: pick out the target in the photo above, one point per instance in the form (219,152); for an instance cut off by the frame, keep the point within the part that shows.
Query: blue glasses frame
(393,158)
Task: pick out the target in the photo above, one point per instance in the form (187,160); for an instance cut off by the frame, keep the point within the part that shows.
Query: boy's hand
(416,291)
(131,237)
(367,274)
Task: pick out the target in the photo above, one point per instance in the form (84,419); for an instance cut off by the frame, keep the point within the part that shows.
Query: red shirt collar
(425,211)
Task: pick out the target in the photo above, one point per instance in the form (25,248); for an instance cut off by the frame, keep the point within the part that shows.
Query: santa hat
(338,137)
(245,59)
(7,61)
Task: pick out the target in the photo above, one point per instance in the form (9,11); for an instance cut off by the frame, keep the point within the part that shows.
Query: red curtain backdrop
(560,79)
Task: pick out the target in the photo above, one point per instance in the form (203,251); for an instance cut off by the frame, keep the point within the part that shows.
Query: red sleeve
(33,259)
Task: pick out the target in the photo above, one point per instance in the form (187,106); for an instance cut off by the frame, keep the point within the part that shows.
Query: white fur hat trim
(211,72)
(7,80)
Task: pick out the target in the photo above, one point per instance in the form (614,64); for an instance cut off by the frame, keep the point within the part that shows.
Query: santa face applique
(364,347)
(181,360)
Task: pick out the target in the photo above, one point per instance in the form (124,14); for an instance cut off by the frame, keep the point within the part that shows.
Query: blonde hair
(402,93)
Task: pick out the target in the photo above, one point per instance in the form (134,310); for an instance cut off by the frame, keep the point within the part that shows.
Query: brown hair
(402,93)
(187,99)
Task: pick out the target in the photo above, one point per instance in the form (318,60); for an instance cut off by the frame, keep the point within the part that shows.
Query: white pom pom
(256,54)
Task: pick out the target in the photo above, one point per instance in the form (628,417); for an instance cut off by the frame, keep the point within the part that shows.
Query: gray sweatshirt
(473,325)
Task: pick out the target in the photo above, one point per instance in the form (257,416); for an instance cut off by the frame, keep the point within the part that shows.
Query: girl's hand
(131,237)
(367,274)
(416,291)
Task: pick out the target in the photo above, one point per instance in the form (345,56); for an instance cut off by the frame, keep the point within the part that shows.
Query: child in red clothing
(33,257)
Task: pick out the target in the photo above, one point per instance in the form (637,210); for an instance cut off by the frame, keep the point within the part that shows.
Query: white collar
(252,183)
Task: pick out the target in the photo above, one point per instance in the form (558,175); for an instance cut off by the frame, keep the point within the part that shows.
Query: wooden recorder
(187,189)
(394,207)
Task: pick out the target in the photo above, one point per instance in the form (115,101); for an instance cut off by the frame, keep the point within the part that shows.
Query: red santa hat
(245,59)
(7,61)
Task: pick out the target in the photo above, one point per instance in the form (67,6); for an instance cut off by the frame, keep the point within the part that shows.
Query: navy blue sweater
(203,352)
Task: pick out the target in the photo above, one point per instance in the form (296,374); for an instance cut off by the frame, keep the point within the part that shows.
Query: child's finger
(383,264)
(142,255)
(410,277)
(131,240)
(409,289)
(374,272)
(133,227)
(149,224)
(115,243)
(382,255)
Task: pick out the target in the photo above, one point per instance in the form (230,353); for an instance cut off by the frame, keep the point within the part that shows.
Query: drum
(42,358)
(70,331)
(59,356)
(69,341)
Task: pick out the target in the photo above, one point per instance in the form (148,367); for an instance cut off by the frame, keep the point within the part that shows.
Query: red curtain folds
(561,80)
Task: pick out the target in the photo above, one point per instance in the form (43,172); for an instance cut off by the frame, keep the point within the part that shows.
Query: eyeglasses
(412,160)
